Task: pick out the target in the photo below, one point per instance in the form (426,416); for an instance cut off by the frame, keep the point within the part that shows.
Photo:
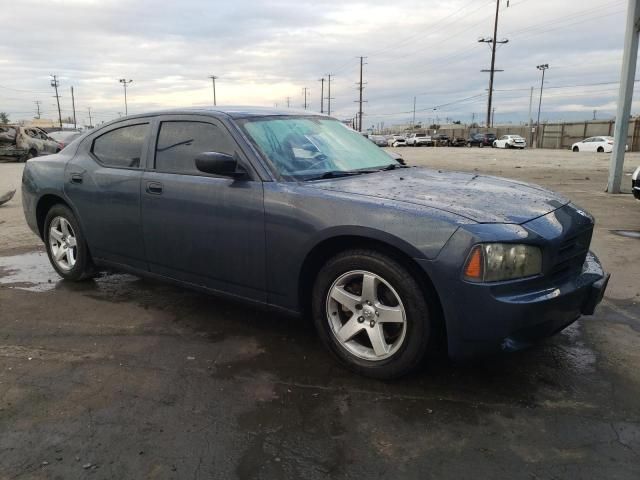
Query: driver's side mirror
(221,164)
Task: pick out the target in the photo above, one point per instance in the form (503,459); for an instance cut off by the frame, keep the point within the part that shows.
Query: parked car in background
(379,140)
(481,140)
(635,183)
(419,140)
(22,143)
(299,213)
(397,141)
(440,139)
(510,141)
(458,142)
(595,144)
(65,137)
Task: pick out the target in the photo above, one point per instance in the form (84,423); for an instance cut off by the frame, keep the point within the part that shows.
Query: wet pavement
(122,377)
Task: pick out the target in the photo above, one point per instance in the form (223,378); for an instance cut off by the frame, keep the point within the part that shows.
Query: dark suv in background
(481,140)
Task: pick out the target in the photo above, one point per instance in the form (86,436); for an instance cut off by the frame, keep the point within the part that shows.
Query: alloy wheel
(63,243)
(366,315)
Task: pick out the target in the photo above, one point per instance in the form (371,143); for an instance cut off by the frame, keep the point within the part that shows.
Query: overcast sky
(266,51)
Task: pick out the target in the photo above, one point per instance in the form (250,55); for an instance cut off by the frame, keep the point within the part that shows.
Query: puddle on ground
(30,271)
(627,233)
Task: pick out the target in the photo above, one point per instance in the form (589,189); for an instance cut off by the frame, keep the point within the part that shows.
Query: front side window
(121,147)
(302,148)
(180,142)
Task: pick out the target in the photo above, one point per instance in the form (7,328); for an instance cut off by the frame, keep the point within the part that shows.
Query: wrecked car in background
(22,143)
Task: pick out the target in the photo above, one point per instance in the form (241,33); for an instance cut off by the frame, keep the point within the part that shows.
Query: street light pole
(542,67)
(125,83)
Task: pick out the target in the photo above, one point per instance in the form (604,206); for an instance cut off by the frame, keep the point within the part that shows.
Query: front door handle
(76,178)
(154,188)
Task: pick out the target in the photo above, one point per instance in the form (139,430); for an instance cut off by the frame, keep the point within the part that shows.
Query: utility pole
(625,96)
(305,97)
(361,88)
(321,95)
(493,116)
(90,124)
(55,84)
(530,136)
(542,67)
(38,102)
(73,104)
(594,114)
(288,102)
(213,80)
(413,121)
(329,94)
(493,41)
(125,83)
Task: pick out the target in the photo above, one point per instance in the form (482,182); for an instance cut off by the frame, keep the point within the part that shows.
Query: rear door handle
(154,188)
(76,178)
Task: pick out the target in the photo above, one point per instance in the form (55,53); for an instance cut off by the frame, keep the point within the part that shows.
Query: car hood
(483,199)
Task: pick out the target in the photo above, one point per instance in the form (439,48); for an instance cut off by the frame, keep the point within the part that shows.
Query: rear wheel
(600,149)
(372,314)
(66,246)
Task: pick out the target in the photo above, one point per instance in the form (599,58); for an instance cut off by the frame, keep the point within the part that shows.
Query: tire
(76,265)
(469,145)
(481,145)
(409,338)
(600,150)
(576,149)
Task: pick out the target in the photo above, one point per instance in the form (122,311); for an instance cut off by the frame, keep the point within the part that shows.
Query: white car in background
(397,141)
(510,141)
(594,144)
(418,139)
(635,183)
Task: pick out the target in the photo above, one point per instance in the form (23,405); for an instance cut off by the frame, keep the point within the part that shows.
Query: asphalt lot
(122,377)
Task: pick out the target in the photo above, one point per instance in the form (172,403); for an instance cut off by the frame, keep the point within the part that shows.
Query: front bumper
(501,320)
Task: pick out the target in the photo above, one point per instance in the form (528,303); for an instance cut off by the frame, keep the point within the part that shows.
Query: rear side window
(180,142)
(121,147)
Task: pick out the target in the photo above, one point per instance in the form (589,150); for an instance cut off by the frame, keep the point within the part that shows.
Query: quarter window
(180,142)
(121,147)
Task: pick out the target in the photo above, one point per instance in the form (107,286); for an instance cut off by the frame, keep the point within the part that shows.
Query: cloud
(264,52)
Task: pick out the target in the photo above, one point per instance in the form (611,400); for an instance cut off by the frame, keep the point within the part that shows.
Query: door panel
(107,201)
(207,231)
(199,228)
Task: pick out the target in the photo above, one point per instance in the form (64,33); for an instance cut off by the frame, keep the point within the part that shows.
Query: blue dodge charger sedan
(297,212)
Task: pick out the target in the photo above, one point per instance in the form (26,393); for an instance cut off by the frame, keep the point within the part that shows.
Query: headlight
(494,262)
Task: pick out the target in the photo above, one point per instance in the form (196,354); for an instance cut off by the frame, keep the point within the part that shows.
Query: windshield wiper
(340,173)
(393,166)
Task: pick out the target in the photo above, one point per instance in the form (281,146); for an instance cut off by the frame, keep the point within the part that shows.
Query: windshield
(302,148)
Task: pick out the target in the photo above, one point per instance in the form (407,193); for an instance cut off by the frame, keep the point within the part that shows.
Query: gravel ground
(122,377)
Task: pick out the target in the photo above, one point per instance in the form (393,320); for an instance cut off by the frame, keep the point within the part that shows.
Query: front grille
(571,255)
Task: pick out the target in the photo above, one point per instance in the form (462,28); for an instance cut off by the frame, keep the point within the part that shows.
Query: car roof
(231,111)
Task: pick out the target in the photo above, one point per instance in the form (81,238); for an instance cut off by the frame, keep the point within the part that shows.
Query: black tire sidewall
(84,266)
(414,300)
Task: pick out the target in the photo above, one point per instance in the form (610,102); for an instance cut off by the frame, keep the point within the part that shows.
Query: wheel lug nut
(372,323)
(377,313)
(360,319)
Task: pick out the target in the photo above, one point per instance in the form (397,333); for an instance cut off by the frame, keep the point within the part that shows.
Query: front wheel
(66,246)
(372,314)
(576,149)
